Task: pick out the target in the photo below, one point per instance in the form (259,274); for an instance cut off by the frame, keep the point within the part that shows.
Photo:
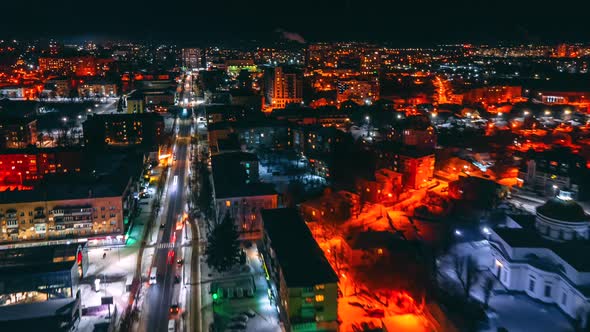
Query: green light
(215,296)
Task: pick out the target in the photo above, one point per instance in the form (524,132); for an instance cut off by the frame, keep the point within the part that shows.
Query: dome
(563,210)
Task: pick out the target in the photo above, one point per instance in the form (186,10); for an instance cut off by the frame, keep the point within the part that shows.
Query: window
(319,298)
(319,287)
(563,298)
(531,285)
(547,290)
(227,203)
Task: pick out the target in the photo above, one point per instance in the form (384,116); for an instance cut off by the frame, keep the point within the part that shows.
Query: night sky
(405,23)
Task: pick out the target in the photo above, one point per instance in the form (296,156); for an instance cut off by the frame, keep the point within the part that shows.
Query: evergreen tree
(223,248)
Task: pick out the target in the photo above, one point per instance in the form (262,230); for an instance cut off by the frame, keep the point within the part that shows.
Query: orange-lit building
(493,94)
(386,185)
(24,167)
(332,206)
(283,86)
(78,65)
(416,166)
(17,133)
(359,91)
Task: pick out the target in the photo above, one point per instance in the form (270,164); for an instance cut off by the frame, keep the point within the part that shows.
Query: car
(239,318)
(174,309)
(356,304)
(250,313)
(180,261)
(237,325)
(376,313)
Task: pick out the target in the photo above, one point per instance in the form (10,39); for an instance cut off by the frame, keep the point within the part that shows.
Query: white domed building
(546,255)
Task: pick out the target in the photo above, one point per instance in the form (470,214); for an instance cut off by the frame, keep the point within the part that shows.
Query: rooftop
(301,259)
(564,210)
(77,187)
(571,251)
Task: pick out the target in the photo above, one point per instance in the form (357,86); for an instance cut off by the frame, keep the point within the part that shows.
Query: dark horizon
(404,24)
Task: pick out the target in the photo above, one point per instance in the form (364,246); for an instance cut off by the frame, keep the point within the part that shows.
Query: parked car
(250,313)
(376,313)
(239,318)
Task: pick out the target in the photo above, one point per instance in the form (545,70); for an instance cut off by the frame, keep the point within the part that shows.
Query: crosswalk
(165,245)
(169,245)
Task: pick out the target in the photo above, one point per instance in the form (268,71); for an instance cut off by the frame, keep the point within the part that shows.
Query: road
(162,295)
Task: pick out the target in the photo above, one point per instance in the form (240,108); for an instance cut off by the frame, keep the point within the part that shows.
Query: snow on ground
(516,312)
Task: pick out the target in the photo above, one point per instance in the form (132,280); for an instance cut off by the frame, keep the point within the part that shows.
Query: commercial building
(304,284)
(542,255)
(102,130)
(40,287)
(80,208)
(17,133)
(283,86)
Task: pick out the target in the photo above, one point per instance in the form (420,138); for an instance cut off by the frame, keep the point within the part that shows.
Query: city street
(168,258)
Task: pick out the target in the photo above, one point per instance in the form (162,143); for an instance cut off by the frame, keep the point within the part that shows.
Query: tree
(223,248)
(205,197)
(465,268)
(488,287)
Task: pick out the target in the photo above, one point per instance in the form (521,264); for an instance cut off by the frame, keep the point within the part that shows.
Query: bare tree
(465,268)
(488,287)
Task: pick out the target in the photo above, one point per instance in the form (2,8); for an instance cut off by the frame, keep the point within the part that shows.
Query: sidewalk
(115,272)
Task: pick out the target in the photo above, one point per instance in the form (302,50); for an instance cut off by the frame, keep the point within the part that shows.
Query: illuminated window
(319,287)
(227,203)
(380,251)
(319,298)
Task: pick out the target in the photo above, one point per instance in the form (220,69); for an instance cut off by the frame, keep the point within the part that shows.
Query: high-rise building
(191,58)
(284,86)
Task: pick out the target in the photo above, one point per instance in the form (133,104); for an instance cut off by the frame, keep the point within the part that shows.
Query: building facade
(17,133)
(123,130)
(540,256)
(303,283)
(191,58)
(72,211)
(24,167)
(283,86)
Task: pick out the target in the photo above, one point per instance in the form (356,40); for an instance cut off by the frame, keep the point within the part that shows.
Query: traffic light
(215,296)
